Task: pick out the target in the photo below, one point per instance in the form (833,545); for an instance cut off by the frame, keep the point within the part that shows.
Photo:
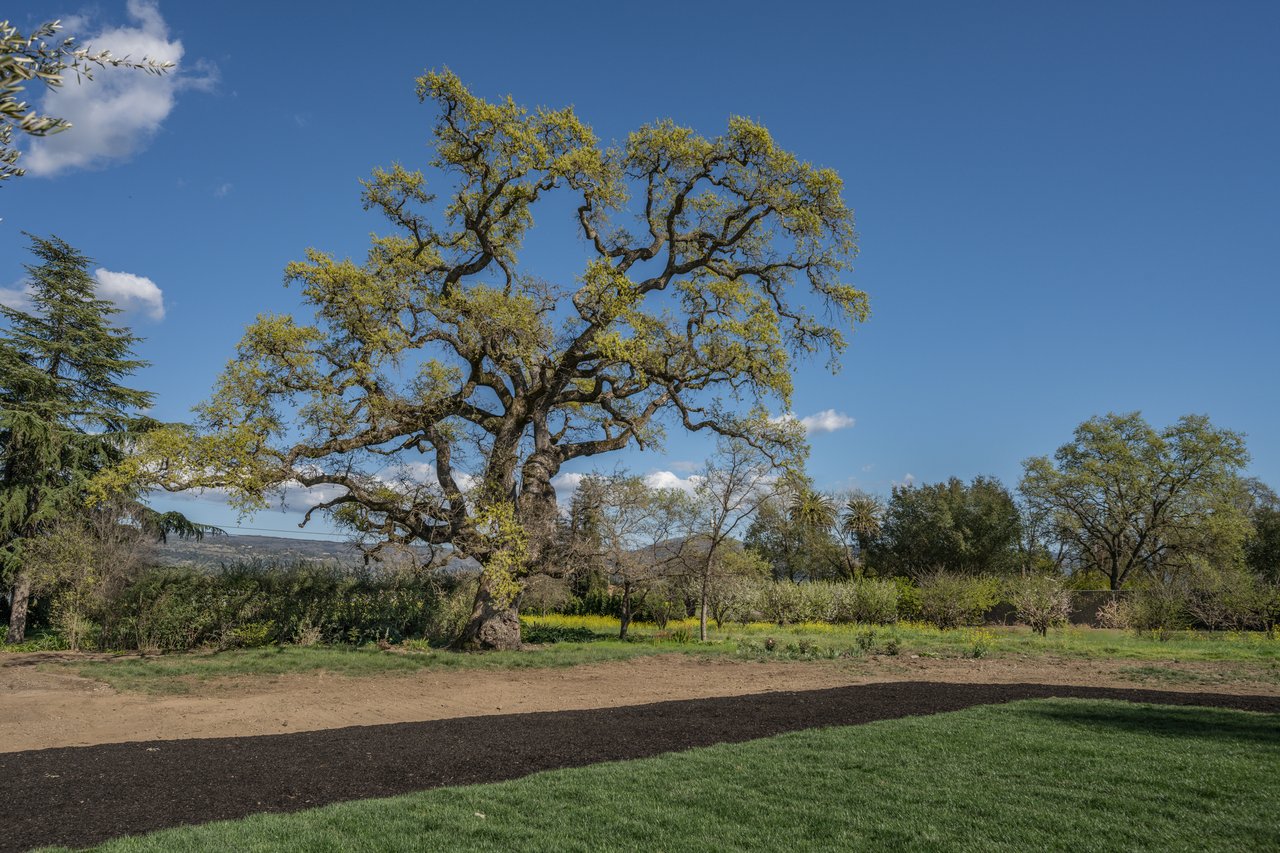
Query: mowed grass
(183,672)
(818,640)
(1032,775)
(178,673)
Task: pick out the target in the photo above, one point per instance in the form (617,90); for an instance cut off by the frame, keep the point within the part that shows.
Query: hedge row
(179,609)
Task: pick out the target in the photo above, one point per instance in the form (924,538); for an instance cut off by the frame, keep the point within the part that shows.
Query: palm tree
(862,516)
(813,509)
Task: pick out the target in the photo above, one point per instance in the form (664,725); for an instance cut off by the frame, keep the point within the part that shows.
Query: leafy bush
(1225,598)
(451,612)
(908,599)
(949,600)
(1041,601)
(872,602)
(659,608)
(1158,609)
(817,602)
(255,605)
(252,635)
(781,602)
(1114,614)
(556,634)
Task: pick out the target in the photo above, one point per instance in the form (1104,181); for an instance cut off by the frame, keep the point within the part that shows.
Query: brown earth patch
(40,709)
(81,795)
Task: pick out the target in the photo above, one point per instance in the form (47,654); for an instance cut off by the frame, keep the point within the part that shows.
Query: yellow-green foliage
(713,263)
(506,550)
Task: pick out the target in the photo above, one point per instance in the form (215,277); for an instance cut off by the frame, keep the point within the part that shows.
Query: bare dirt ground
(77,796)
(40,709)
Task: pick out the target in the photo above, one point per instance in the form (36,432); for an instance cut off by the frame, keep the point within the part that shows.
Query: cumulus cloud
(908,479)
(116,114)
(297,495)
(671,480)
(17,297)
(131,292)
(566,485)
(828,420)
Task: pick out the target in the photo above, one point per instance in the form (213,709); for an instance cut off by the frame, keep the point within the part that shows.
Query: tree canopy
(968,528)
(439,386)
(63,407)
(1128,500)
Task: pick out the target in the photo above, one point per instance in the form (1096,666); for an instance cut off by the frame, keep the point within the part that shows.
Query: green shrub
(1041,601)
(873,602)
(817,602)
(781,602)
(1225,598)
(556,634)
(908,598)
(252,635)
(950,600)
(254,605)
(658,608)
(1114,613)
(1158,609)
(451,612)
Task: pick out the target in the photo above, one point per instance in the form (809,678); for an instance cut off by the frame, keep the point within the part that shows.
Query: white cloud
(131,292)
(908,479)
(222,190)
(671,480)
(828,420)
(117,113)
(297,495)
(128,291)
(566,485)
(17,297)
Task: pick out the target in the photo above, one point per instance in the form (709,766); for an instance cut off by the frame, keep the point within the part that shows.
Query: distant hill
(214,551)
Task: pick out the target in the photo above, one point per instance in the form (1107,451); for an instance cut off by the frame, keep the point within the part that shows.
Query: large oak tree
(1127,500)
(440,386)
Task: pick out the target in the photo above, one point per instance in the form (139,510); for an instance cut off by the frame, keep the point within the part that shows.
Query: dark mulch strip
(80,795)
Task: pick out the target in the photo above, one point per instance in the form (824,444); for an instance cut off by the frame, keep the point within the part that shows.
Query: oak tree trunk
(624,620)
(495,620)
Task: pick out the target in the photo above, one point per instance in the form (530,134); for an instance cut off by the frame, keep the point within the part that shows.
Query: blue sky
(1064,209)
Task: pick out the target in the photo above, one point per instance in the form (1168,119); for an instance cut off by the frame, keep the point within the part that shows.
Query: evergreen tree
(64,413)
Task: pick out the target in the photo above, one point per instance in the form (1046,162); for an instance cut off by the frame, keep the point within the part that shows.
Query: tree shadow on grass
(1166,721)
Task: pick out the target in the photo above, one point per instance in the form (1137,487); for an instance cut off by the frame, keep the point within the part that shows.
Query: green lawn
(1257,654)
(180,673)
(1036,775)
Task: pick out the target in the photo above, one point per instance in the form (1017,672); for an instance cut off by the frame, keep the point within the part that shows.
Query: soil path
(80,795)
(41,709)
